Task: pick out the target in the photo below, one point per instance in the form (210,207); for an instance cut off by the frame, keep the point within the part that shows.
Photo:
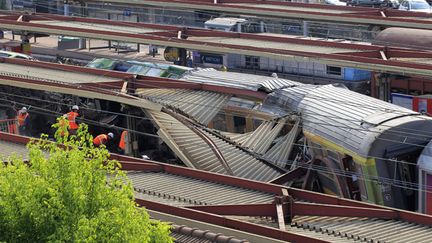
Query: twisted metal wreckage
(319,137)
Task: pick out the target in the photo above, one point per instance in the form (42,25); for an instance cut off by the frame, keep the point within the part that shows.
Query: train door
(401,171)
(424,165)
(352,177)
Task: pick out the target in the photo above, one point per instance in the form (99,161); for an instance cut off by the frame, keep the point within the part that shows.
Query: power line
(338,172)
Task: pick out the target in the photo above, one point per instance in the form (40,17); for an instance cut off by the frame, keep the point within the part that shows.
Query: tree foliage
(63,195)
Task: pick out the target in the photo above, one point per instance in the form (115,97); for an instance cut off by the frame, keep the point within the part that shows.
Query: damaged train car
(363,148)
(324,138)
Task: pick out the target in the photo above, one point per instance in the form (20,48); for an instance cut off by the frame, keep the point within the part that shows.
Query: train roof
(404,37)
(342,116)
(237,80)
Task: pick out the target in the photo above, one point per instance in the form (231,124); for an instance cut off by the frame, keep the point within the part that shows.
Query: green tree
(71,192)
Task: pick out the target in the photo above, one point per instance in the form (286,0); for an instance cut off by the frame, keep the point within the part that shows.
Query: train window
(251,28)
(332,70)
(252,62)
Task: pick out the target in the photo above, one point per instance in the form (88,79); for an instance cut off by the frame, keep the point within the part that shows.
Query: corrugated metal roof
(261,139)
(365,229)
(182,191)
(203,106)
(273,45)
(187,143)
(8,148)
(50,75)
(238,138)
(184,234)
(281,151)
(93,26)
(237,80)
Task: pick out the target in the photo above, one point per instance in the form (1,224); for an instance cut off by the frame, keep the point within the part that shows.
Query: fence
(9,126)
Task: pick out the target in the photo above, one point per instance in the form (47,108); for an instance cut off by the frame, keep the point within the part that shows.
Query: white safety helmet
(24,109)
(75,107)
(111,135)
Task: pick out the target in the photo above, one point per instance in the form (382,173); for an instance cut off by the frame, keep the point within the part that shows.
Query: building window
(252,62)
(332,70)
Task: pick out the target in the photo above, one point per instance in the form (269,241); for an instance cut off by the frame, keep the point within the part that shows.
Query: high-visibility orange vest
(71,116)
(100,139)
(22,118)
(122,144)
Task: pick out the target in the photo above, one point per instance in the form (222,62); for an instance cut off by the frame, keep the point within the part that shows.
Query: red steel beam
(289,176)
(309,11)
(283,39)
(68,68)
(141,164)
(207,176)
(105,85)
(179,42)
(82,86)
(14,138)
(154,82)
(204,32)
(348,60)
(400,53)
(226,222)
(315,209)
(252,210)
(52,17)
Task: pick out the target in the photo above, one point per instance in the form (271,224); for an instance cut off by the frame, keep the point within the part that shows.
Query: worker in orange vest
(71,116)
(123,142)
(23,121)
(102,139)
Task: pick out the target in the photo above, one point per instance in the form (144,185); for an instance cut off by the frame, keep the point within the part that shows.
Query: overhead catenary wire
(150,119)
(342,173)
(322,169)
(400,132)
(410,132)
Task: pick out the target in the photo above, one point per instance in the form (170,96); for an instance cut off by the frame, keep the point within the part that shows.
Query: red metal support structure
(279,9)
(230,223)
(286,198)
(368,58)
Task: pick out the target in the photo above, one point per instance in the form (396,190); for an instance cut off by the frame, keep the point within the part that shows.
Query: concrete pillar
(305,28)
(262,27)
(66,8)
(384,87)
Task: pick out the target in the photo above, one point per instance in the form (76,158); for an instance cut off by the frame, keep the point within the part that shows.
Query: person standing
(72,116)
(23,121)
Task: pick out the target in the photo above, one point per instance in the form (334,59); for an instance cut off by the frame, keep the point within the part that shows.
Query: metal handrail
(9,126)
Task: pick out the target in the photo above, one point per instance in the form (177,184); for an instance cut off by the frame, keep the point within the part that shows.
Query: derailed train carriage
(363,148)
